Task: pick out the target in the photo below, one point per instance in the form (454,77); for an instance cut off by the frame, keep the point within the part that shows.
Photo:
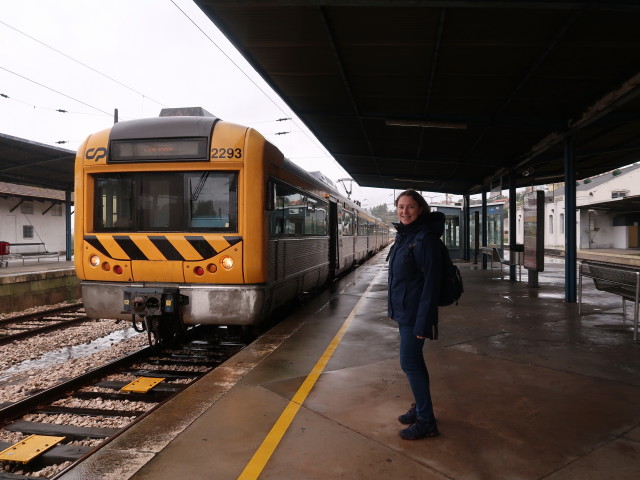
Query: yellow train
(186,219)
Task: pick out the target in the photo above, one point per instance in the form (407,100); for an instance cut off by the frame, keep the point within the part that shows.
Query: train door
(334,254)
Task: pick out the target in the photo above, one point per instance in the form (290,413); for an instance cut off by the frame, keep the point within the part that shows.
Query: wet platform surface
(523,388)
(34,267)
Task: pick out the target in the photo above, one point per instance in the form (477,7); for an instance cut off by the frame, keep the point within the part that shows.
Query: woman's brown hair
(418,198)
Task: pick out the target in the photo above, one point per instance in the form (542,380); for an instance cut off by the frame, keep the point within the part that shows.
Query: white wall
(620,237)
(47,228)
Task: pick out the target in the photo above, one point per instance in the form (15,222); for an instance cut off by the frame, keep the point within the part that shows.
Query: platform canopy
(29,163)
(451,96)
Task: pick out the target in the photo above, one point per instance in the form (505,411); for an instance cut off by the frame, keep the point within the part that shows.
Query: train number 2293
(226,153)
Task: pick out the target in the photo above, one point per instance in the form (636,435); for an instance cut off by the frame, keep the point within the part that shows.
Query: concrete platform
(35,267)
(35,283)
(523,388)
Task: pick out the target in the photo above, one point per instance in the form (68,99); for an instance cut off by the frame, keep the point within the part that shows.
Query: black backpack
(452,287)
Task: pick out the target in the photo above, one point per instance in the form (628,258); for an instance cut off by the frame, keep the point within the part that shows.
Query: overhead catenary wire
(213,42)
(286,115)
(59,52)
(54,90)
(59,110)
(312,138)
(81,63)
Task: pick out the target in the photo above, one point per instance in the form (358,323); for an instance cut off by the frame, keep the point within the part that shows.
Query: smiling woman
(415,273)
(409,206)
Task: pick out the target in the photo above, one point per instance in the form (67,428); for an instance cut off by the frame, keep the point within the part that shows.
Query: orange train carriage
(186,219)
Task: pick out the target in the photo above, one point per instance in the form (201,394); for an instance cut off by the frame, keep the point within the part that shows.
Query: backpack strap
(390,252)
(418,238)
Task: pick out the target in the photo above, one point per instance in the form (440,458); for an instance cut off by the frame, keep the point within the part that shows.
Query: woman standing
(415,273)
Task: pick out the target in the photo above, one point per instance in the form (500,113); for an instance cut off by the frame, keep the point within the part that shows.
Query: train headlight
(198,271)
(226,262)
(94,260)
(212,268)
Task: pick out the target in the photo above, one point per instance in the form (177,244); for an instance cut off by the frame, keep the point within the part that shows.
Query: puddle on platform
(68,353)
(557,296)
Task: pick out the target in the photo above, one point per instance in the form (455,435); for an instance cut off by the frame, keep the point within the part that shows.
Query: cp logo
(96,153)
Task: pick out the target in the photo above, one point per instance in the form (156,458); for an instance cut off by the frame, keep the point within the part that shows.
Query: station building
(32,218)
(36,199)
(608,207)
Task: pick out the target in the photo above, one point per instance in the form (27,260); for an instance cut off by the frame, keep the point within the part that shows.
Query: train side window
(310,216)
(315,222)
(288,215)
(277,214)
(321,226)
(347,223)
(294,213)
(362,226)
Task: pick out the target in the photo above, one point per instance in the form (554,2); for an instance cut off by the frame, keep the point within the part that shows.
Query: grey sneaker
(420,429)
(410,417)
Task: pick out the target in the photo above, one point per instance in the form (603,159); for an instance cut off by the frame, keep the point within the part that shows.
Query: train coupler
(153,302)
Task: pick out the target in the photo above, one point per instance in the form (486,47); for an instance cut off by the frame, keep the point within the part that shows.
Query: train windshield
(166,202)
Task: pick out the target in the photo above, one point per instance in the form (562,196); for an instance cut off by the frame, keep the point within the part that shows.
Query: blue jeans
(413,365)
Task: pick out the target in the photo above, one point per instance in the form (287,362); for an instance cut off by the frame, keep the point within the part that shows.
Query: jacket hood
(432,222)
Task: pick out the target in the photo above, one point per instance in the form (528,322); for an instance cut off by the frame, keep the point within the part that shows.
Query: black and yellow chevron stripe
(188,248)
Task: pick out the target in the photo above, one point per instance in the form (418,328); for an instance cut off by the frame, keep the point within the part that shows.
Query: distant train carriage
(186,219)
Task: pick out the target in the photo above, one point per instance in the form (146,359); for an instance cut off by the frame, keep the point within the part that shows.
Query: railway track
(79,409)
(25,326)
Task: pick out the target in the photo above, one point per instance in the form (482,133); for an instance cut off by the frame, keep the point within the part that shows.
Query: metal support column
(570,247)
(484,225)
(512,223)
(466,219)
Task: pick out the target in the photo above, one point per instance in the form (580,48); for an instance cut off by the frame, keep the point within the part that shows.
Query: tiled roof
(597,180)
(10,189)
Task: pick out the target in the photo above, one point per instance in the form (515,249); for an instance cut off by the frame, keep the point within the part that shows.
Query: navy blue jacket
(415,274)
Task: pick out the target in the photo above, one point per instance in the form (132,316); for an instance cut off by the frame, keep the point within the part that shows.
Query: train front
(169,223)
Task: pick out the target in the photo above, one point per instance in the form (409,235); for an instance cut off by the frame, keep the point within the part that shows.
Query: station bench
(622,280)
(515,258)
(40,252)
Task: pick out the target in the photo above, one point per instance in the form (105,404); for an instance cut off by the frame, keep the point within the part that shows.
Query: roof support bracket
(19,203)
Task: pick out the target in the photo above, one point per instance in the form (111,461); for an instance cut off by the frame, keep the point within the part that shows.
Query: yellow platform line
(270,443)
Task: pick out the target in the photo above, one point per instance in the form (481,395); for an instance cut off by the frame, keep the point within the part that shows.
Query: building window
(619,193)
(562,223)
(26,207)
(27,231)
(550,225)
